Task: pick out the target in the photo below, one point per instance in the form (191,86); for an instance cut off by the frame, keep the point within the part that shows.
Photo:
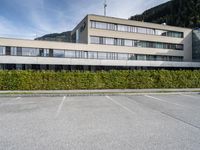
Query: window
(19,51)
(51,53)
(141,57)
(85,54)
(13,51)
(128,43)
(161,32)
(122,56)
(112,26)
(30,51)
(2,50)
(94,40)
(8,50)
(41,52)
(109,41)
(179,47)
(58,53)
(93,24)
(70,54)
(142,30)
(118,42)
(128,28)
(92,55)
(132,57)
(150,31)
(102,55)
(111,56)
(122,28)
(78,54)
(101,25)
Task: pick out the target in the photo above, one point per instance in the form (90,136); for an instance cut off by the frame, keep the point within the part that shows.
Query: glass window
(161,32)
(101,25)
(132,57)
(19,51)
(13,51)
(70,54)
(137,43)
(177,58)
(118,42)
(30,51)
(58,53)
(2,50)
(142,30)
(92,55)
(102,55)
(128,43)
(93,24)
(111,56)
(78,54)
(179,47)
(122,56)
(112,26)
(150,31)
(109,41)
(159,58)
(41,52)
(141,57)
(102,40)
(85,54)
(8,50)
(94,40)
(122,28)
(159,45)
(151,57)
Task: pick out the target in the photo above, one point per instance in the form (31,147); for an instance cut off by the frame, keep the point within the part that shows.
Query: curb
(95,94)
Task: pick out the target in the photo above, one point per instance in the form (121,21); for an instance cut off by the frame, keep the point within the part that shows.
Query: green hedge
(49,80)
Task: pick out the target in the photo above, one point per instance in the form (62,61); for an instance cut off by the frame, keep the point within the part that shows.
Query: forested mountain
(183,13)
(62,37)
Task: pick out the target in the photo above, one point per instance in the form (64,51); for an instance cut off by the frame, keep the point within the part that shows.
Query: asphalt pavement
(128,122)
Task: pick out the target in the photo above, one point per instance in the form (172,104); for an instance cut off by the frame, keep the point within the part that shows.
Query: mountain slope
(183,13)
(61,37)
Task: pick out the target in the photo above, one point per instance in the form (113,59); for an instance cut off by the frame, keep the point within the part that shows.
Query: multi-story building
(103,43)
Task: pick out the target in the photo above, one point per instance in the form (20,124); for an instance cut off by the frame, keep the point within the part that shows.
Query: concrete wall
(196,45)
(93,62)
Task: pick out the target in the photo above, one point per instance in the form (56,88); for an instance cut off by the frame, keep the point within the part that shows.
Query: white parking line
(158,99)
(60,106)
(117,103)
(18,98)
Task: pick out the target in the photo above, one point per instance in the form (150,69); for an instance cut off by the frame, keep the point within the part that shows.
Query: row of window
(19,51)
(134,43)
(134,29)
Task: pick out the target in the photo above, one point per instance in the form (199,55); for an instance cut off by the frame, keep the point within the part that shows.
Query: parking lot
(143,122)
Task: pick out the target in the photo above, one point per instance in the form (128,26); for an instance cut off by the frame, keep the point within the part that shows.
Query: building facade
(104,43)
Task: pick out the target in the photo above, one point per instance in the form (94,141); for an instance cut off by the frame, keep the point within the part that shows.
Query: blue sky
(31,18)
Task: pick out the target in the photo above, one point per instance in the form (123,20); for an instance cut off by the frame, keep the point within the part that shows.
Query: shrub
(65,80)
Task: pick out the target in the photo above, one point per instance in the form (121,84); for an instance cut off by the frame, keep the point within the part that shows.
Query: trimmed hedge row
(49,80)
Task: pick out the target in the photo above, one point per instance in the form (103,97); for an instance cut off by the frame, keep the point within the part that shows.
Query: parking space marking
(158,99)
(60,106)
(18,98)
(119,104)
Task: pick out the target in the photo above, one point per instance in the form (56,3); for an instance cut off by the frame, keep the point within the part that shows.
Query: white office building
(104,43)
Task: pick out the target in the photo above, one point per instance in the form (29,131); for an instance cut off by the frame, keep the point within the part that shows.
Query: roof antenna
(105,6)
